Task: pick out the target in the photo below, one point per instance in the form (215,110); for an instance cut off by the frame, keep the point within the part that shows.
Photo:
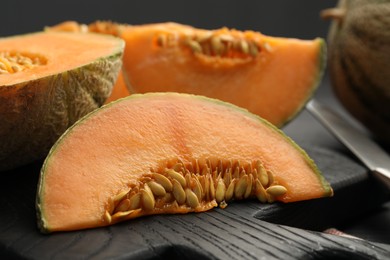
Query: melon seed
(241,186)
(157,189)
(253,49)
(249,186)
(124,205)
(276,190)
(122,214)
(198,187)
(107,217)
(177,176)
(178,192)
(223,204)
(188,178)
(220,191)
(179,167)
(243,46)
(270,177)
(120,197)
(147,198)
(230,190)
(260,192)
(195,46)
(226,37)
(163,181)
(135,201)
(204,36)
(216,45)
(261,173)
(206,187)
(227,176)
(212,189)
(192,199)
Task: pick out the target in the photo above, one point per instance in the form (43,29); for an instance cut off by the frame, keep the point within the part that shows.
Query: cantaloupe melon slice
(272,77)
(168,153)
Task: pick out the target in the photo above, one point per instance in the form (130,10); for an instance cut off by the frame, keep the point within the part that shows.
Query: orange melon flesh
(86,46)
(120,89)
(275,84)
(100,155)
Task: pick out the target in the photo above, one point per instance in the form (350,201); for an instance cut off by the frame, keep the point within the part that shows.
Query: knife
(370,153)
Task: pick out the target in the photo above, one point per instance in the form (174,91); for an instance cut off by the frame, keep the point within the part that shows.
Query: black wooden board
(243,230)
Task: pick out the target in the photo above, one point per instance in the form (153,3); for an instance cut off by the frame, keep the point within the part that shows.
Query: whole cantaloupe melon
(48,80)
(359,61)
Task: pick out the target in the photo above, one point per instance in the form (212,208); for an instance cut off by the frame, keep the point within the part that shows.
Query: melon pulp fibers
(161,153)
(48,81)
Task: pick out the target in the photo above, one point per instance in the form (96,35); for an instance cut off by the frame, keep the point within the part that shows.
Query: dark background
(286,18)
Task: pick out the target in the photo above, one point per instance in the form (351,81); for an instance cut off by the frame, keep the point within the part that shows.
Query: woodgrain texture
(244,230)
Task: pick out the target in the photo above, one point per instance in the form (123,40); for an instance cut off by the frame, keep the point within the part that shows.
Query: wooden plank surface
(244,230)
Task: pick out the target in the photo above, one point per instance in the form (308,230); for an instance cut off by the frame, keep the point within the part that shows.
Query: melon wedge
(272,77)
(161,153)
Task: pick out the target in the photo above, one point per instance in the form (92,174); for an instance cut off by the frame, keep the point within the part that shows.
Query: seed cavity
(218,43)
(13,62)
(189,185)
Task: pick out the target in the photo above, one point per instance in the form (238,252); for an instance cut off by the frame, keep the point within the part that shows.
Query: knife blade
(370,153)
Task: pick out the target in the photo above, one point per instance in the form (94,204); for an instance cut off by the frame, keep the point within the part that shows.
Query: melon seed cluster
(194,187)
(15,62)
(215,44)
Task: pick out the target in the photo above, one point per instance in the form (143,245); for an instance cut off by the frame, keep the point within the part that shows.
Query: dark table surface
(243,230)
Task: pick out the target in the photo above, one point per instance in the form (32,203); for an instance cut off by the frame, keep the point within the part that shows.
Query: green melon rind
(45,227)
(27,133)
(322,62)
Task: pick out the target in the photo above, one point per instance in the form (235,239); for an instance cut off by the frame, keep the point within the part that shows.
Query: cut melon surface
(162,153)
(270,76)
(273,77)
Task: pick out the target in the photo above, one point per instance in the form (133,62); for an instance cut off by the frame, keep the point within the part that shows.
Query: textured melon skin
(359,61)
(36,112)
